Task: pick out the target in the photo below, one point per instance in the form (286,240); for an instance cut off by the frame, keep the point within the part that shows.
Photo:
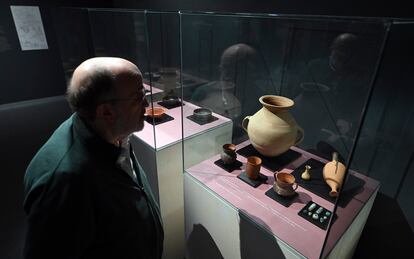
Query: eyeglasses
(139,96)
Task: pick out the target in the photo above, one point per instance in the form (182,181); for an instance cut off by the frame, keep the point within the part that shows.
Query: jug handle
(300,136)
(245,123)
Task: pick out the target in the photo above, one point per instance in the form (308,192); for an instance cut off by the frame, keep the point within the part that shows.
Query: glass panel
(151,41)
(328,73)
(163,44)
(385,149)
(120,34)
(326,66)
(73,36)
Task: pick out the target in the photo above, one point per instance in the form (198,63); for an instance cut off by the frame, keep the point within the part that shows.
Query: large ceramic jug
(272,130)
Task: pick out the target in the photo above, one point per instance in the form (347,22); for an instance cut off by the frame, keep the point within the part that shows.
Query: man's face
(131,106)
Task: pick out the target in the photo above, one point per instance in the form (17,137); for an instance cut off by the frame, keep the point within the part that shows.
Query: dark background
(27,121)
(34,74)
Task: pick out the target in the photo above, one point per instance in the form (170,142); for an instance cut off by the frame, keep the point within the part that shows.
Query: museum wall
(37,73)
(28,74)
(24,127)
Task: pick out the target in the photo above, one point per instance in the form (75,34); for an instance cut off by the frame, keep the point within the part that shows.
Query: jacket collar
(92,140)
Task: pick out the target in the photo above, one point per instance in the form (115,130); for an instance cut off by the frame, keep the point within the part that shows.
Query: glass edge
(367,101)
(252,15)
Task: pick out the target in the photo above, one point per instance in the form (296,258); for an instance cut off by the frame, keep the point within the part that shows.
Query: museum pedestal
(227,218)
(159,151)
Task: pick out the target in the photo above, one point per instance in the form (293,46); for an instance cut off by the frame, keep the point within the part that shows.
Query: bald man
(86,196)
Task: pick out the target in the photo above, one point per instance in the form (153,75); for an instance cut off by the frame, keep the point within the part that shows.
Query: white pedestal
(161,158)
(226,218)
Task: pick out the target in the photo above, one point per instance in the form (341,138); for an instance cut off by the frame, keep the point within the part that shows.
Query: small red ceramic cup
(253,167)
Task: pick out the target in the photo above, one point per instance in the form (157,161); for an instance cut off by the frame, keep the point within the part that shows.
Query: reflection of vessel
(154,76)
(311,109)
(272,130)
(169,78)
(218,96)
(168,75)
(171,98)
(333,174)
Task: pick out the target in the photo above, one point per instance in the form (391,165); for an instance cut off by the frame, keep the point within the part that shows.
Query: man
(85,194)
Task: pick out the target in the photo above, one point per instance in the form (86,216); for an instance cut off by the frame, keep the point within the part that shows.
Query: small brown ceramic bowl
(155,112)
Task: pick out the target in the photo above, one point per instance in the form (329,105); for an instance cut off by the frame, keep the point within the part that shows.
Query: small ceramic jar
(228,155)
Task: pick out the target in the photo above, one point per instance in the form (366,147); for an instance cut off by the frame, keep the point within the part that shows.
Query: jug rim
(276,101)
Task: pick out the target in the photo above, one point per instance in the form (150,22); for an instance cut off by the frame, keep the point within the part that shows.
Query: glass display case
(245,102)
(151,41)
(297,90)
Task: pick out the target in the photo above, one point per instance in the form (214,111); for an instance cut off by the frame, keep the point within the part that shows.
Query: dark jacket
(80,204)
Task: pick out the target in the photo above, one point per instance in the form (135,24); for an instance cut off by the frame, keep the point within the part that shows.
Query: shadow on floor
(201,245)
(253,244)
(387,233)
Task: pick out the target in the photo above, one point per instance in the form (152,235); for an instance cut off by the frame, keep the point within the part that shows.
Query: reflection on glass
(239,72)
(330,90)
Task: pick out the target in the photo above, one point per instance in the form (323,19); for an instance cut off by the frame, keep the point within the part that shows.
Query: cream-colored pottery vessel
(333,174)
(306,175)
(272,130)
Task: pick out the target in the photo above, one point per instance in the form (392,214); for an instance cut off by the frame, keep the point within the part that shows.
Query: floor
(387,233)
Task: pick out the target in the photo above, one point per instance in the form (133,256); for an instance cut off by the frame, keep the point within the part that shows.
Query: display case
(248,99)
(296,89)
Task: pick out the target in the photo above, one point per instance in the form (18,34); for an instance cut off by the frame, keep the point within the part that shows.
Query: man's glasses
(139,96)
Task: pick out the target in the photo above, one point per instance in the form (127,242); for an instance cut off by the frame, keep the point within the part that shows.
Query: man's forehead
(129,83)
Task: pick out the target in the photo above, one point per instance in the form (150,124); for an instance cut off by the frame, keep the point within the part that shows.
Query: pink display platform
(170,132)
(283,222)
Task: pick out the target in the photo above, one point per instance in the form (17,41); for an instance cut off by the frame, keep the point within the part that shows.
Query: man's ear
(106,112)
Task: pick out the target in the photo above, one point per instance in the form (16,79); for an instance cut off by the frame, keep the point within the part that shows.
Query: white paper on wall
(29,27)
